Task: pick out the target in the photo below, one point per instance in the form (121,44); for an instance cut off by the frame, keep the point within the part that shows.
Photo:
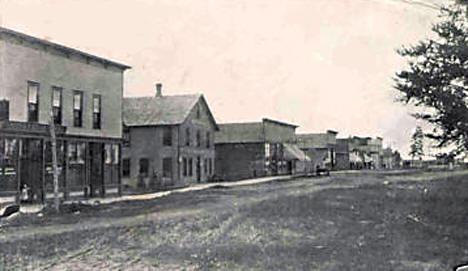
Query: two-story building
(81,94)
(255,149)
(169,140)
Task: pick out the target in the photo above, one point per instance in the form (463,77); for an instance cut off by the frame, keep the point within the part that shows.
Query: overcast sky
(321,64)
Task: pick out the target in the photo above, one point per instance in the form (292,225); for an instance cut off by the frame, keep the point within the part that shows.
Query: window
(115,154)
(187,137)
(57,104)
(33,102)
(267,150)
(167,136)
(205,166)
(143,167)
(76,152)
(208,140)
(108,153)
(167,167)
(184,167)
(190,167)
(211,165)
(126,136)
(96,111)
(126,167)
(198,112)
(77,108)
(198,139)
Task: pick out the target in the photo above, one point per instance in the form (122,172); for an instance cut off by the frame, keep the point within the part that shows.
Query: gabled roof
(62,48)
(164,110)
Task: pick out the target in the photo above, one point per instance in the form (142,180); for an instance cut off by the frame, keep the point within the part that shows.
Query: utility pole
(53,142)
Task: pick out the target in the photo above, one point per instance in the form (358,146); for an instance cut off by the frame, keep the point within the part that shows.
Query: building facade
(42,83)
(255,149)
(169,141)
(320,147)
(360,153)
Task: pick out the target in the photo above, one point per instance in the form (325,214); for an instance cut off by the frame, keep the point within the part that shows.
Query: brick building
(40,82)
(255,149)
(169,140)
(320,147)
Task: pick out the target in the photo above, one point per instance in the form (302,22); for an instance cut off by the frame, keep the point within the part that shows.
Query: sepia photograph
(234,135)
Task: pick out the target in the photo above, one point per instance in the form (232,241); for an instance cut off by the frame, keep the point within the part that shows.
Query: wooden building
(255,149)
(320,147)
(43,82)
(169,141)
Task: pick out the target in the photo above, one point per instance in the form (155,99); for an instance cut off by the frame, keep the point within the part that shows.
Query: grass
(345,223)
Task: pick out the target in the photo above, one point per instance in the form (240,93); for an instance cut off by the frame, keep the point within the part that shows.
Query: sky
(320,64)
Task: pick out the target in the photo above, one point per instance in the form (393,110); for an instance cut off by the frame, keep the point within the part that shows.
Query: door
(198,169)
(96,151)
(31,171)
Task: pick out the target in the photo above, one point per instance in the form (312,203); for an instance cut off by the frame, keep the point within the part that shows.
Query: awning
(292,152)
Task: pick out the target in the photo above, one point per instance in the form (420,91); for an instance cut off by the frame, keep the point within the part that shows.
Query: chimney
(158,90)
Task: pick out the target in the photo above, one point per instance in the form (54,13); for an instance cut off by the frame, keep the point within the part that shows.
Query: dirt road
(356,221)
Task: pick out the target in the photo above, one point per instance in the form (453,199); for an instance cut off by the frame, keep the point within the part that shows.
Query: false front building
(169,141)
(42,83)
(256,149)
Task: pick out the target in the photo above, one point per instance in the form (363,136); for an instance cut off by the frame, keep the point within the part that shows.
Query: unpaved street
(354,221)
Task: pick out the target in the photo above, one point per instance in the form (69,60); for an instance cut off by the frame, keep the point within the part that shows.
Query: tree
(436,80)
(417,145)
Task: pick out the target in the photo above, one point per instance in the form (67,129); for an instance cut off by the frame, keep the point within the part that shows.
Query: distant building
(41,82)
(169,140)
(320,147)
(359,153)
(255,149)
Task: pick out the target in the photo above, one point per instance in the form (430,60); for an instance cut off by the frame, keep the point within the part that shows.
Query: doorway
(96,151)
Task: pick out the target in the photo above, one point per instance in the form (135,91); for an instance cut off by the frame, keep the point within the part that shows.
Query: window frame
(198,138)
(57,110)
(140,171)
(78,122)
(126,167)
(167,136)
(187,137)
(28,103)
(167,172)
(97,116)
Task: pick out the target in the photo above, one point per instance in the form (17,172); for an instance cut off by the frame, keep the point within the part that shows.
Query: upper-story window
(198,139)
(57,104)
(198,112)
(96,111)
(77,108)
(167,136)
(187,137)
(208,140)
(33,101)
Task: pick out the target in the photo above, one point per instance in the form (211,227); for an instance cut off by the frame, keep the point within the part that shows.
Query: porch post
(119,167)
(43,166)
(65,170)
(18,170)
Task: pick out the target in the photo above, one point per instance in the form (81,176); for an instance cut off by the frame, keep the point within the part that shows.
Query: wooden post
(65,170)
(119,166)
(18,169)
(53,142)
(43,167)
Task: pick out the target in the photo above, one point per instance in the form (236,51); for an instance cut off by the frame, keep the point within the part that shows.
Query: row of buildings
(108,144)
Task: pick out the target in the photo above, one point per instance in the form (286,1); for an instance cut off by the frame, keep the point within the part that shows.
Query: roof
(279,122)
(247,132)
(164,110)
(63,48)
